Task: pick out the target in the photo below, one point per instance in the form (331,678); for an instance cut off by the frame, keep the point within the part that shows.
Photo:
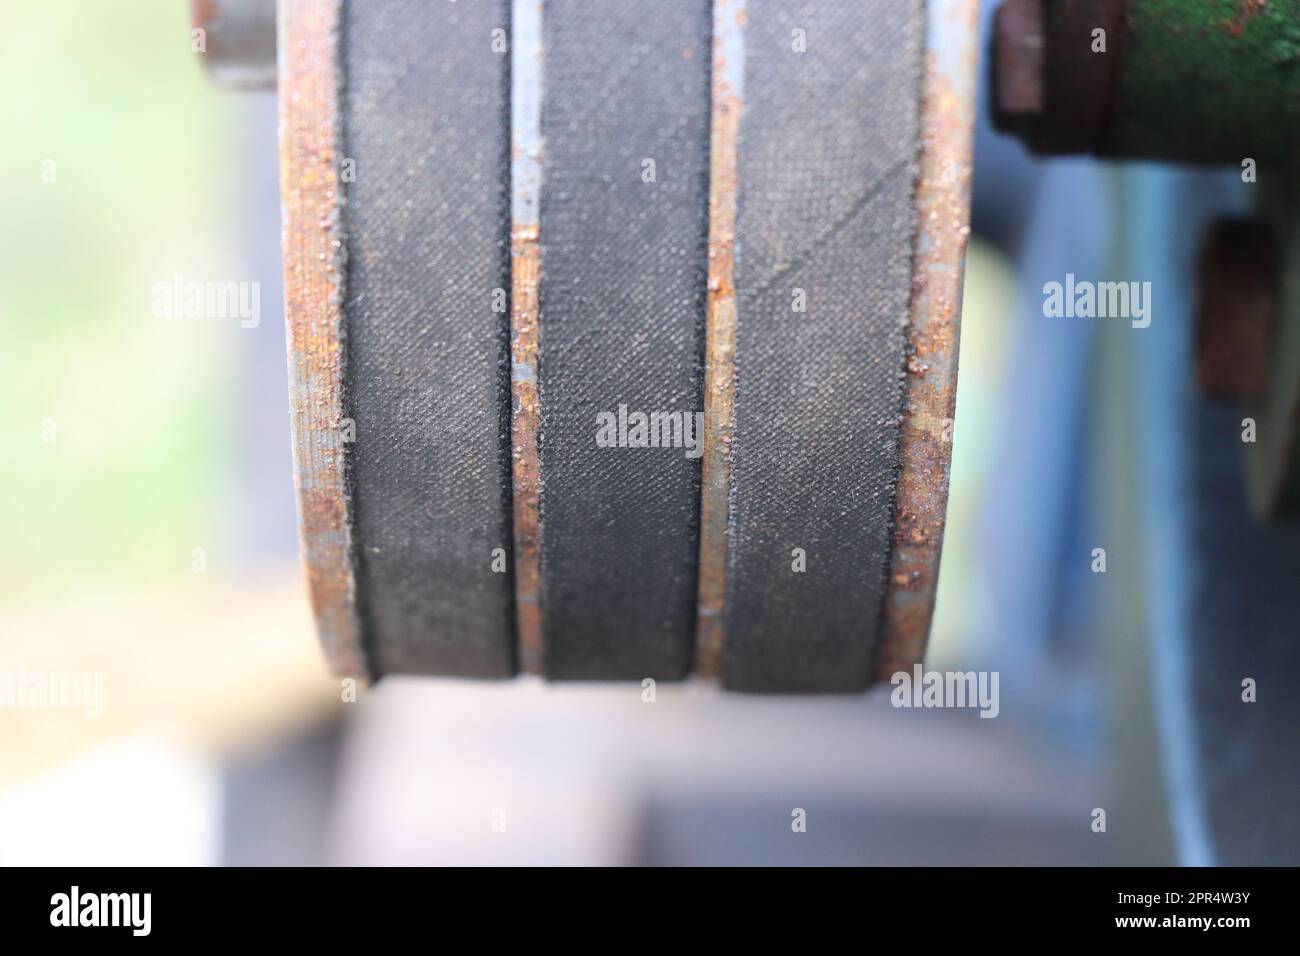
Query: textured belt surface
(622,323)
(426,122)
(825,223)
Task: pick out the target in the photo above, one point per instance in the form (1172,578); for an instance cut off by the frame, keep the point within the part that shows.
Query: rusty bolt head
(1238,276)
(1050,89)
(1019,62)
(238,48)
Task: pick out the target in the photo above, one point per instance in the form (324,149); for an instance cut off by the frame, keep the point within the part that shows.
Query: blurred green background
(114,176)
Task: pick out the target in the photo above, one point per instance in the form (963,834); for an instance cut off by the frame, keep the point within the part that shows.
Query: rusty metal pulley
(623,344)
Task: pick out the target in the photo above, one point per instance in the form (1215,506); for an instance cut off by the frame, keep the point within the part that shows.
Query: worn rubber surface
(623,273)
(827,167)
(426,120)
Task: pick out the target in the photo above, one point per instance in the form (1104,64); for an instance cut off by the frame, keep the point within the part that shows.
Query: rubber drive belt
(623,236)
(425,122)
(823,252)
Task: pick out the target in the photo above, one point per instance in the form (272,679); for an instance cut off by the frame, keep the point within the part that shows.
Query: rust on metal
(313,287)
(1246,11)
(1050,86)
(202,13)
(525,258)
(1272,459)
(930,389)
(1019,49)
(720,335)
(525,278)
(1239,281)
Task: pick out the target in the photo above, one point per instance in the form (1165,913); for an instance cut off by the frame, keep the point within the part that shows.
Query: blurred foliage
(110,181)
(989,310)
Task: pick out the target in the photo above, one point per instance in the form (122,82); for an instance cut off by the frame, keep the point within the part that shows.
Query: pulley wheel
(623,337)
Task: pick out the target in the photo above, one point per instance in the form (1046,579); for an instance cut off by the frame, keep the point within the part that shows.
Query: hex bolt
(238,41)
(1019,55)
(1055,71)
(1238,275)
